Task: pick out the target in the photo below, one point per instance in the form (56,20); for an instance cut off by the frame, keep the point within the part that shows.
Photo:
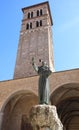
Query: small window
(41,13)
(31,14)
(27,26)
(40,22)
(30,25)
(37,24)
(28,15)
(38,13)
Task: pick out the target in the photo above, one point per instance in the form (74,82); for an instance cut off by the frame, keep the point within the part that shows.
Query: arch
(17,105)
(66,99)
(63,92)
(21,92)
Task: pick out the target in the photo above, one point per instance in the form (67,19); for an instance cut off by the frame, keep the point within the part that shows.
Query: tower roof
(39,5)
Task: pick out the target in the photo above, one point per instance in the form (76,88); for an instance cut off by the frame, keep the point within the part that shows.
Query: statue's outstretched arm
(34,65)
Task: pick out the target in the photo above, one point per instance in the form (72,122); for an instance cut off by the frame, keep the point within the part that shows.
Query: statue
(44,72)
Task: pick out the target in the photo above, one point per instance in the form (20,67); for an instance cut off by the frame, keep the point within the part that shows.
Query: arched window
(27,26)
(31,14)
(40,22)
(28,15)
(37,24)
(38,13)
(41,12)
(30,25)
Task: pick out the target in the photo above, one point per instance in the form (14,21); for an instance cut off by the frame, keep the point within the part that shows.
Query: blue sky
(65,14)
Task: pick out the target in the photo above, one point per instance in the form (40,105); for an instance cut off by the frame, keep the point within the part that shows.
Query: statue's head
(43,62)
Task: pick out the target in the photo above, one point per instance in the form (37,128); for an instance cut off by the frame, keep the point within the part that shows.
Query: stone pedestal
(45,116)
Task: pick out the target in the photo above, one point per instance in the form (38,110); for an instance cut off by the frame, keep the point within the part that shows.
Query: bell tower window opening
(37,24)
(38,13)
(31,14)
(40,22)
(30,25)
(41,12)
(27,26)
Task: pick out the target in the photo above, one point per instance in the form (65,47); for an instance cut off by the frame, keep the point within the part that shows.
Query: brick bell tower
(35,40)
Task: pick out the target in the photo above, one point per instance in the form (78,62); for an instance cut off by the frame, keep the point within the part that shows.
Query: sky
(65,15)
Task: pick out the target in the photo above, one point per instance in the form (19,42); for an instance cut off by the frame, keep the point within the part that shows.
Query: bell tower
(35,39)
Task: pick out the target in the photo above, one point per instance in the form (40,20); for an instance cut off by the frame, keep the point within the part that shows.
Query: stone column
(1,119)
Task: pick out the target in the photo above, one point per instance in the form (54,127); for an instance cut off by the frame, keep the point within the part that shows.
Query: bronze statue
(44,72)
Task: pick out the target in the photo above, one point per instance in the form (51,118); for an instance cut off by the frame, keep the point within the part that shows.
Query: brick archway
(66,99)
(17,106)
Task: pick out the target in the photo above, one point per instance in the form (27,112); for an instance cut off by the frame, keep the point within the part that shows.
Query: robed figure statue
(43,89)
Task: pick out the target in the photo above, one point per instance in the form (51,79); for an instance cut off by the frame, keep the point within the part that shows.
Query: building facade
(18,95)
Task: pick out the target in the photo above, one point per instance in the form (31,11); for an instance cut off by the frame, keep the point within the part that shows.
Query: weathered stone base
(45,116)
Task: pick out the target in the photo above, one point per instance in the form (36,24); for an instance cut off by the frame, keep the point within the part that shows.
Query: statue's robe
(43,89)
